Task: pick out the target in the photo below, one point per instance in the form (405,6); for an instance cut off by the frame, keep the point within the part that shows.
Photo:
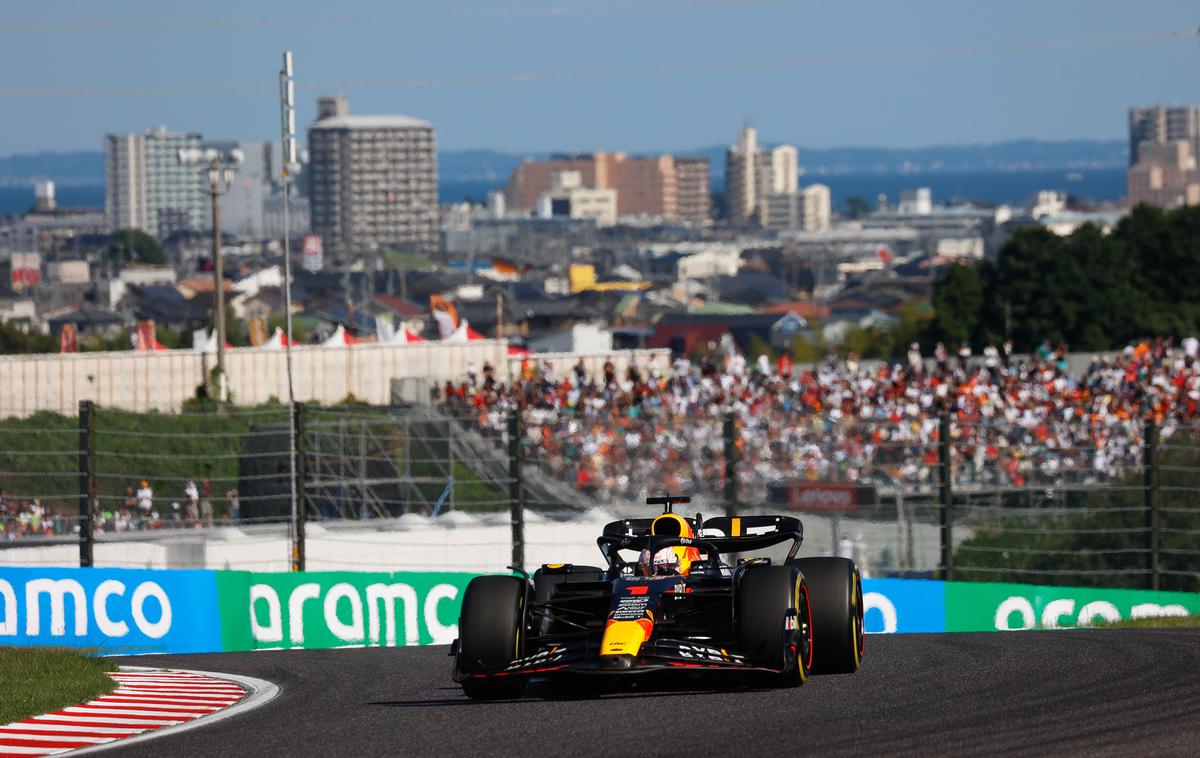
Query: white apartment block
(758,180)
(146,186)
(741,184)
(124,181)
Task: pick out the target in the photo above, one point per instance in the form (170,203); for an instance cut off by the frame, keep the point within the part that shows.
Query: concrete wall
(453,542)
(163,380)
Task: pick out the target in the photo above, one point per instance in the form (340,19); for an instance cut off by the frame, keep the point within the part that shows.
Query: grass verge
(38,680)
(1155,622)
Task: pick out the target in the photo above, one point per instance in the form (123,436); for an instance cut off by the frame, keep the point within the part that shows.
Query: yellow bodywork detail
(736,528)
(555,565)
(622,638)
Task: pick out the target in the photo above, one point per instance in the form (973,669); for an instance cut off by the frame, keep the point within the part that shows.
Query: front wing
(661,655)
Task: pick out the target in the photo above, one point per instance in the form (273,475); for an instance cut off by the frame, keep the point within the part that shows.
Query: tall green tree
(857,207)
(957,302)
(1092,290)
(134,246)
(13,341)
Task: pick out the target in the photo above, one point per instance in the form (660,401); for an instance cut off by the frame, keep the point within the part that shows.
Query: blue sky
(649,75)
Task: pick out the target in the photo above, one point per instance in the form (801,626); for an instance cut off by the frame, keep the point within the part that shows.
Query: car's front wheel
(490,635)
(774,621)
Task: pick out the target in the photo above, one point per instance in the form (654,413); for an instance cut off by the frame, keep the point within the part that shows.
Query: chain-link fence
(39,477)
(465,486)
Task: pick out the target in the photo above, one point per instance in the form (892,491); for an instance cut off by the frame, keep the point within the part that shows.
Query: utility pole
(218,277)
(221,170)
(499,317)
(288,159)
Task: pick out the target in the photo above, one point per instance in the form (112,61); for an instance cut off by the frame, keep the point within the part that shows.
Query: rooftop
(371,122)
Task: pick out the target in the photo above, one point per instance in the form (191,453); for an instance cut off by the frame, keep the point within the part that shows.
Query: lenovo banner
(802,495)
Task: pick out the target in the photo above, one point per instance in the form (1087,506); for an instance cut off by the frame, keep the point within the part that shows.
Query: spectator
(206,508)
(235,505)
(145,500)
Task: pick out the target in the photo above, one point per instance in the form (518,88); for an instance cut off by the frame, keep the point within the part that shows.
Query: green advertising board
(337,609)
(985,607)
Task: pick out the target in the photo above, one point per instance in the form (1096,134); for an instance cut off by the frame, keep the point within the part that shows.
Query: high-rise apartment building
(1166,175)
(1159,124)
(741,184)
(816,208)
(645,186)
(695,189)
(778,171)
(808,208)
(124,181)
(373,181)
(754,174)
(146,186)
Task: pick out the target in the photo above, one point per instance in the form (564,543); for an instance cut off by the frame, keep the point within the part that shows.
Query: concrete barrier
(164,380)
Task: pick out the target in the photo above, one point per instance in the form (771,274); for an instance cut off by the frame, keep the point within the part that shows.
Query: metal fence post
(946,496)
(731,493)
(301,475)
(1150,477)
(86,483)
(516,487)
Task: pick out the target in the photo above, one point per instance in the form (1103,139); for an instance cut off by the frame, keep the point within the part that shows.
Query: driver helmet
(663,563)
(677,559)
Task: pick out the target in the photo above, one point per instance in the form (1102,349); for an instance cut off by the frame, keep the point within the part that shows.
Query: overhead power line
(444,14)
(667,69)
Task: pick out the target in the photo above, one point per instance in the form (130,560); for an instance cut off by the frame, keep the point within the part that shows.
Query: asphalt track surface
(1115,692)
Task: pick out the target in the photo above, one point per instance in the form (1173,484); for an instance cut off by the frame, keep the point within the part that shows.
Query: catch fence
(470,487)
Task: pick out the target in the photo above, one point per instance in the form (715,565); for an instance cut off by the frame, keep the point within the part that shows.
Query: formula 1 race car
(667,602)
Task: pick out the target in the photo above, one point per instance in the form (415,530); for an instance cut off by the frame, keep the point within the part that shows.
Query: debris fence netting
(452,487)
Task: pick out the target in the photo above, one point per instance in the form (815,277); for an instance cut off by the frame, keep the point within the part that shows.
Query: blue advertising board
(111,610)
(901,606)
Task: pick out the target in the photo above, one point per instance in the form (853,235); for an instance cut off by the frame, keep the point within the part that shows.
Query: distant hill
(492,167)
(1014,155)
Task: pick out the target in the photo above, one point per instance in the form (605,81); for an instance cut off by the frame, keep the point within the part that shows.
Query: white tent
(278,340)
(340,338)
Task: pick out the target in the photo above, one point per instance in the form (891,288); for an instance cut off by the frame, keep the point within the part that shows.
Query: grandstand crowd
(1016,420)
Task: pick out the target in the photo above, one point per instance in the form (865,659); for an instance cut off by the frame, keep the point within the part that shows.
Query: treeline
(1090,290)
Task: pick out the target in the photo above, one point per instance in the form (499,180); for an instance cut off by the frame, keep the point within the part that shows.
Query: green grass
(1156,622)
(39,680)
(39,455)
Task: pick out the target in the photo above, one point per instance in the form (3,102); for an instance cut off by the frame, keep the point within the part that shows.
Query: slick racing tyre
(837,613)
(491,635)
(774,614)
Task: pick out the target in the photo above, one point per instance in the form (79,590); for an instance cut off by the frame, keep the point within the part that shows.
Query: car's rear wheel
(837,613)
(491,635)
(774,621)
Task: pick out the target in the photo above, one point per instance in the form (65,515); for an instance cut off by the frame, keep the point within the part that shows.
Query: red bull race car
(677,595)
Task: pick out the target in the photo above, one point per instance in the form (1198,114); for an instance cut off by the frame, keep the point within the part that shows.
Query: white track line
(259,693)
(146,704)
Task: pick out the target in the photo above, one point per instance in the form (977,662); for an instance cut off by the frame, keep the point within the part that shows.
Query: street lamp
(222,167)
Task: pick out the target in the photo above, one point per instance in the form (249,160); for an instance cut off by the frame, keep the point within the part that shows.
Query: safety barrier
(131,611)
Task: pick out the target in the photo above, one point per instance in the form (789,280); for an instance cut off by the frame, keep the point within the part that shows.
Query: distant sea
(1010,187)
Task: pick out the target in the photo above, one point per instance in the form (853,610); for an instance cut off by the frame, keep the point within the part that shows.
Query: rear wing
(729,534)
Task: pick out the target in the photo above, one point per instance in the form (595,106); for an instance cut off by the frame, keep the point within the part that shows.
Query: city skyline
(687,73)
